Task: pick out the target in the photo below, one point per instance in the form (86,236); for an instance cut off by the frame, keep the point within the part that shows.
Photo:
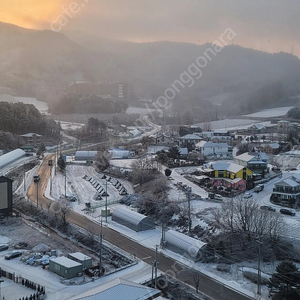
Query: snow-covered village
(157,214)
(149,150)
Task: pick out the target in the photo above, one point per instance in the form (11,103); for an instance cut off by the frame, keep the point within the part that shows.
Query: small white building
(211,149)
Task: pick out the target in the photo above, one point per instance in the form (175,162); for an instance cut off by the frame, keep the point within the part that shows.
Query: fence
(39,292)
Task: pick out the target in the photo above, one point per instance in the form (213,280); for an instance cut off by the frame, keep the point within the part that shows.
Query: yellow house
(228,170)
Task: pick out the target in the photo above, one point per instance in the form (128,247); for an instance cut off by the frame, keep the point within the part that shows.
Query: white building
(211,149)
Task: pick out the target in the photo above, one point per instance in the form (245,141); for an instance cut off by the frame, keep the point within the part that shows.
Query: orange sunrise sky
(267,25)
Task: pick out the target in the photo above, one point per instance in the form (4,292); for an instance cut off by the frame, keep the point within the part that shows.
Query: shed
(65,267)
(85,155)
(185,245)
(81,258)
(11,157)
(5,196)
(132,219)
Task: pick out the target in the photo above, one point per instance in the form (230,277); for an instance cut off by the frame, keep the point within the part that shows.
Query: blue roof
(120,289)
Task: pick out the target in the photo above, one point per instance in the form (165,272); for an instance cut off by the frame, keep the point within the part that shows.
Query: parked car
(248,195)
(266,207)
(287,212)
(218,197)
(13,254)
(259,188)
(3,247)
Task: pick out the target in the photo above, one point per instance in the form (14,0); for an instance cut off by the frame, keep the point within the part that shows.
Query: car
(248,195)
(36,178)
(266,207)
(287,212)
(13,254)
(3,247)
(259,188)
(218,197)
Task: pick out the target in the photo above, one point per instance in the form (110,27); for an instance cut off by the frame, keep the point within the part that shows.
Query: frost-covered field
(272,112)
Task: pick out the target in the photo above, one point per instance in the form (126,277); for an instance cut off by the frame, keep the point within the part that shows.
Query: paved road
(208,286)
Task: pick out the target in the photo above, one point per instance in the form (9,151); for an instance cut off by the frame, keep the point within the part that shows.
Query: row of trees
(20,118)
(87,104)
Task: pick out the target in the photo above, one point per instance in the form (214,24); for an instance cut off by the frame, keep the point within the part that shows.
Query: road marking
(146,257)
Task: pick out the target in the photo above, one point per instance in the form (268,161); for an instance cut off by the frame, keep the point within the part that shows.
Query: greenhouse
(11,157)
(85,155)
(185,245)
(132,219)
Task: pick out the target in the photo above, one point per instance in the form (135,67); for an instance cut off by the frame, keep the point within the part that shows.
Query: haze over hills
(41,63)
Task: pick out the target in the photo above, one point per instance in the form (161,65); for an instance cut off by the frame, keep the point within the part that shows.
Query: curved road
(208,285)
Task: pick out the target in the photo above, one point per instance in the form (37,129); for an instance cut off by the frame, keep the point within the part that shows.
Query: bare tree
(245,219)
(64,210)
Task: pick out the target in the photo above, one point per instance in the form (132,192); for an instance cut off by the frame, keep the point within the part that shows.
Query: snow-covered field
(272,112)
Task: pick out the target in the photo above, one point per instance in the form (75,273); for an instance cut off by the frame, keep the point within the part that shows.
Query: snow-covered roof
(11,157)
(213,145)
(128,215)
(234,168)
(272,145)
(257,126)
(183,151)
(85,154)
(79,256)
(188,244)
(135,132)
(66,262)
(31,135)
(191,137)
(289,182)
(221,131)
(245,157)
(119,289)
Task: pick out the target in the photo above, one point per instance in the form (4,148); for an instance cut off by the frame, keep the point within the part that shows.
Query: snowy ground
(82,189)
(70,126)
(272,112)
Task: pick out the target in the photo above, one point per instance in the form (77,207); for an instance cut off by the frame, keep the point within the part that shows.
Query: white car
(218,197)
(248,195)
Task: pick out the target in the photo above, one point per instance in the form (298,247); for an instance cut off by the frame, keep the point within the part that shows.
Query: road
(208,285)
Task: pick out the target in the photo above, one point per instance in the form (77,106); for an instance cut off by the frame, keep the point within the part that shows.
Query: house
(272,148)
(32,139)
(256,162)
(283,125)
(221,135)
(227,170)
(287,190)
(257,127)
(211,149)
(163,140)
(189,141)
(184,129)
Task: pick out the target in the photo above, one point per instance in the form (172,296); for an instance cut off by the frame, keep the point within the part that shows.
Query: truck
(50,162)
(259,188)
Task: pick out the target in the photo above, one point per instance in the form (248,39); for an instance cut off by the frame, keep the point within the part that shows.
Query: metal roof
(11,157)
(188,244)
(66,262)
(119,289)
(191,137)
(245,157)
(128,215)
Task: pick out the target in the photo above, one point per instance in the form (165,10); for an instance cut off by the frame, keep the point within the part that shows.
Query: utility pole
(155,266)
(106,200)
(24,181)
(100,252)
(51,180)
(258,268)
(37,194)
(189,192)
(66,182)
(162,241)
